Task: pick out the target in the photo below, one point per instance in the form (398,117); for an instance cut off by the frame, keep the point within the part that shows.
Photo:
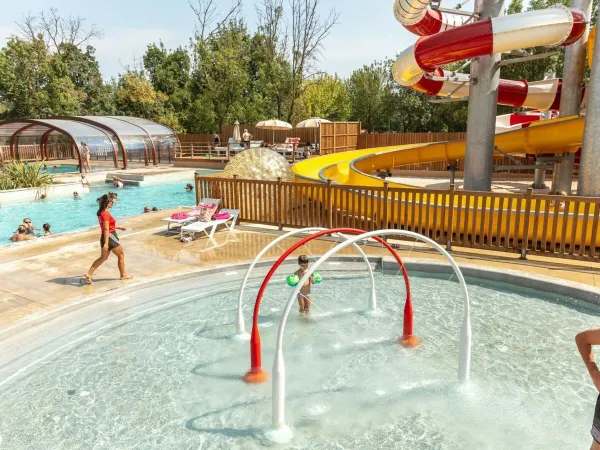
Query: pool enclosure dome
(115,136)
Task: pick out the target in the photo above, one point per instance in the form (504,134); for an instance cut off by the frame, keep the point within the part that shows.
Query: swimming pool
(67,214)
(156,368)
(70,168)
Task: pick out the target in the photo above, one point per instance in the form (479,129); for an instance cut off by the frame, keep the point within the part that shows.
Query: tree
(136,97)
(367,88)
(220,82)
(308,31)
(55,30)
(210,18)
(169,73)
(326,97)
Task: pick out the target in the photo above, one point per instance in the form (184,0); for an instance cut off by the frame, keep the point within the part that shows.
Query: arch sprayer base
(256,376)
(409,341)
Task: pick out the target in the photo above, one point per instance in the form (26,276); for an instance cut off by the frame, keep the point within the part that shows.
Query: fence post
(450,219)
(525,238)
(198,193)
(329,205)
(386,190)
(280,203)
(237,200)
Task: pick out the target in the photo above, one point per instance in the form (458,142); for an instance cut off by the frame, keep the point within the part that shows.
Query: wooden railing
(208,151)
(373,140)
(32,152)
(564,226)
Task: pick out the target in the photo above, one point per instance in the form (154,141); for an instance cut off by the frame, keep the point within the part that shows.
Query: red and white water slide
(447,38)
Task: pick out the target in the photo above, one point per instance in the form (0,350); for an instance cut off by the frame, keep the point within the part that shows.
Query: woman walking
(86,158)
(109,241)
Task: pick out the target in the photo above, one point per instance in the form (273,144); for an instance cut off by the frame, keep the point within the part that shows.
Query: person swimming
(46,228)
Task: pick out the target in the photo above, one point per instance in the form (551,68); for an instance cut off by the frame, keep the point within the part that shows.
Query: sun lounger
(187,220)
(210,227)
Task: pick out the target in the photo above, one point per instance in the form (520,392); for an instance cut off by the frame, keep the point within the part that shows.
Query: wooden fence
(373,140)
(339,137)
(564,226)
(258,134)
(32,152)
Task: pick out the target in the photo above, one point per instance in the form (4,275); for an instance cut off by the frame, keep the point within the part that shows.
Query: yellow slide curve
(355,168)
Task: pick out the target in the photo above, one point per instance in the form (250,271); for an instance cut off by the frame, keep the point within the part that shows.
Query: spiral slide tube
(443,41)
(241,333)
(256,374)
(281,429)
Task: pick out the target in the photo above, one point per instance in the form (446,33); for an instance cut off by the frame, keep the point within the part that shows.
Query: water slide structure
(449,38)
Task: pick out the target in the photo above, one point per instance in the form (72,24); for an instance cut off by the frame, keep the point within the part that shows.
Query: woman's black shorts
(596,423)
(113,240)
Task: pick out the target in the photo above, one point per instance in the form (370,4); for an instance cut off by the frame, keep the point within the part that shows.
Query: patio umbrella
(313,122)
(274,125)
(236,132)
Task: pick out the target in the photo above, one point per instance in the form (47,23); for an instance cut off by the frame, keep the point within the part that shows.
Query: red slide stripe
(512,93)
(431,23)
(579,25)
(556,103)
(460,43)
(429,87)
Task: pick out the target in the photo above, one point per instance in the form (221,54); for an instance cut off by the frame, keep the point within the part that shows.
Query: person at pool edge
(109,241)
(304,296)
(189,187)
(584,341)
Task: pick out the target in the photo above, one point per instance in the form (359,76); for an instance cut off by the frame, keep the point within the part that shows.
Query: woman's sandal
(87,279)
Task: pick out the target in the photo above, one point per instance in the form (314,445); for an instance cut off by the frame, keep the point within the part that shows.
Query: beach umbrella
(236,132)
(313,122)
(274,124)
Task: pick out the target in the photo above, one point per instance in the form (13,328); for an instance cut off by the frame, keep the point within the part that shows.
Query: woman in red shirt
(109,241)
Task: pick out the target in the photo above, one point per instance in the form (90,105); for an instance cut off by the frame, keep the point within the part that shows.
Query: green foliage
(18,175)
(369,88)
(327,96)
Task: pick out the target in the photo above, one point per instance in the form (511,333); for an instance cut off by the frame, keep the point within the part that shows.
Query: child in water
(304,297)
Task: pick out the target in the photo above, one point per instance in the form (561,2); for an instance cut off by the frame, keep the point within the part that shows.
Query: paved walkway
(38,275)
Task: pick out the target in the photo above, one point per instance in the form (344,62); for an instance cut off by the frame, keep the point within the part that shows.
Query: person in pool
(30,228)
(189,187)
(147,209)
(584,341)
(21,234)
(304,297)
(75,195)
(109,241)
(46,228)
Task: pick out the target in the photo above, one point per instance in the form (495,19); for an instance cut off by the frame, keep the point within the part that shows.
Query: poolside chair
(210,227)
(192,218)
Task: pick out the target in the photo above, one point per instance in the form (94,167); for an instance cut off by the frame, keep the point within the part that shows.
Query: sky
(362,36)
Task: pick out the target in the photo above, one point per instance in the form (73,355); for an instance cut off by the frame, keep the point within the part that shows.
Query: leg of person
(301,302)
(307,302)
(595,445)
(104,253)
(120,254)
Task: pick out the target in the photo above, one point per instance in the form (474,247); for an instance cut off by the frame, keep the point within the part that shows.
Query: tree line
(226,73)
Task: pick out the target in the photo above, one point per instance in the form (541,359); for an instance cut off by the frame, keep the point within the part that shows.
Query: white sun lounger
(210,227)
(187,220)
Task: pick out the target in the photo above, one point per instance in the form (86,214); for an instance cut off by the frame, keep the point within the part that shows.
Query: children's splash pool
(157,368)
(69,214)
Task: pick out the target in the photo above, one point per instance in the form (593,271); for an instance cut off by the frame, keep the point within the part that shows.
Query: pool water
(69,214)
(170,377)
(70,168)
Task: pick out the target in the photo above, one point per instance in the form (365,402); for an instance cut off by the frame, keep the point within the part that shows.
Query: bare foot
(126,277)
(87,278)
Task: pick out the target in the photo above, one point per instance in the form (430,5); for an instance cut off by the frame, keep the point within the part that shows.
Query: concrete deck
(47,272)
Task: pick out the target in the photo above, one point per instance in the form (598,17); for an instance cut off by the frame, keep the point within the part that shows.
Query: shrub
(18,175)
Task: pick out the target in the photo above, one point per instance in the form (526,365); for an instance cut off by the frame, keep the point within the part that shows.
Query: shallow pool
(165,374)
(70,168)
(69,214)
